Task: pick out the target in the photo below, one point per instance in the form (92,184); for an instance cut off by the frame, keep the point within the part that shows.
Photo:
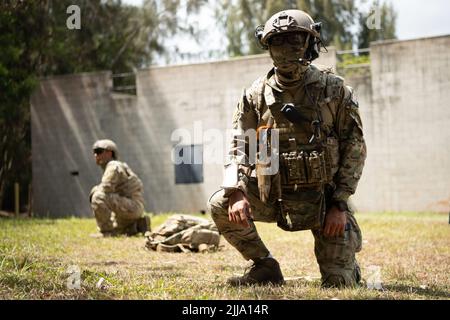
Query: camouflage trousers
(335,255)
(113,212)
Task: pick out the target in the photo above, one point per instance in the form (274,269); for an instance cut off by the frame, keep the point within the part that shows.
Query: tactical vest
(308,147)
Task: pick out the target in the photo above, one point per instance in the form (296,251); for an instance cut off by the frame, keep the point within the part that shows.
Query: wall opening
(190,170)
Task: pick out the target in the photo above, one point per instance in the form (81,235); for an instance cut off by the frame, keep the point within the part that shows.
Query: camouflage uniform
(345,154)
(117,202)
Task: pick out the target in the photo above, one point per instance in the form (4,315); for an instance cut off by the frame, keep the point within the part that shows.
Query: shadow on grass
(429,292)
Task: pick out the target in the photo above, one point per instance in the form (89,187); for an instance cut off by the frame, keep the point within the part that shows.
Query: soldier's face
(287,49)
(102,156)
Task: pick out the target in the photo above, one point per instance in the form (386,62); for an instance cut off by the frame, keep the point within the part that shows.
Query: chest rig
(307,147)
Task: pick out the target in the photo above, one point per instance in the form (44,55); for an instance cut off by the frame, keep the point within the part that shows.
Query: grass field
(412,251)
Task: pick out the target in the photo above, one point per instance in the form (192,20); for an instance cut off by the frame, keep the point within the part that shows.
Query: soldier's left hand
(335,222)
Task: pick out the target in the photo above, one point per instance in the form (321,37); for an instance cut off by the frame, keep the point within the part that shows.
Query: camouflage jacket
(119,178)
(341,123)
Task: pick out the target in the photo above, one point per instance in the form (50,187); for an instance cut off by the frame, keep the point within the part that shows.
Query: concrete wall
(407,122)
(199,98)
(403,106)
(70,112)
(66,115)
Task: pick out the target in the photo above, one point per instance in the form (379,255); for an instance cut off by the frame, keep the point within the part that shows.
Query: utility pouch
(316,167)
(293,168)
(302,209)
(302,168)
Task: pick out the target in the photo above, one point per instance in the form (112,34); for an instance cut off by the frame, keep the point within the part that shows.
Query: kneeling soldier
(321,157)
(117,202)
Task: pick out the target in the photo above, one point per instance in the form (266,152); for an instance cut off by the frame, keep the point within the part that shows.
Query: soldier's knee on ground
(337,281)
(342,278)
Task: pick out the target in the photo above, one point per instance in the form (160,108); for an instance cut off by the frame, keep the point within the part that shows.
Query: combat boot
(263,271)
(144,224)
(129,229)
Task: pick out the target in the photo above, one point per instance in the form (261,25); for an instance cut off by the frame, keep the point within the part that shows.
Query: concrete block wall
(70,112)
(403,105)
(67,115)
(364,198)
(200,99)
(410,126)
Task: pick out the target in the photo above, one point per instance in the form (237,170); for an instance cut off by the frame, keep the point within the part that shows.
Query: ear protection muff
(312,52)
(259,31)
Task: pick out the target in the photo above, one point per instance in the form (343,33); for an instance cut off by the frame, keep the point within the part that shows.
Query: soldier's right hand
(239,210)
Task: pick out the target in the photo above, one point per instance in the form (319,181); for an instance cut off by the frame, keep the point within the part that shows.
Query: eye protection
(298,39)
(99,151)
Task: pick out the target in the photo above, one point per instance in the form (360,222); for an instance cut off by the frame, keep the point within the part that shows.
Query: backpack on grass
(184,233)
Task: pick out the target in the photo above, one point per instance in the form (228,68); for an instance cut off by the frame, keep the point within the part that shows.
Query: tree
(339,18)
(377,24)
(239,19)
(113,36)
(18,58)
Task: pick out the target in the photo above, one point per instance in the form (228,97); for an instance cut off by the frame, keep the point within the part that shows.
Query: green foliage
(113,36)
(349,65)
(339,18)
(18,58)
(387,17)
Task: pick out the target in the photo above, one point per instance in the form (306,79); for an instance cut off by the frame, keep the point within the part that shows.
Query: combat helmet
(107,145)
(291,21)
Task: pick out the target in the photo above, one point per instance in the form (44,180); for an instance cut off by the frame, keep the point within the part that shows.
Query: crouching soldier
(321,157)
(117,202)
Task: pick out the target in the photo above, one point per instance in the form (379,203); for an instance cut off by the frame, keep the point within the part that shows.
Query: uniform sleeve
(237,165)
(112,177)
(352,147)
